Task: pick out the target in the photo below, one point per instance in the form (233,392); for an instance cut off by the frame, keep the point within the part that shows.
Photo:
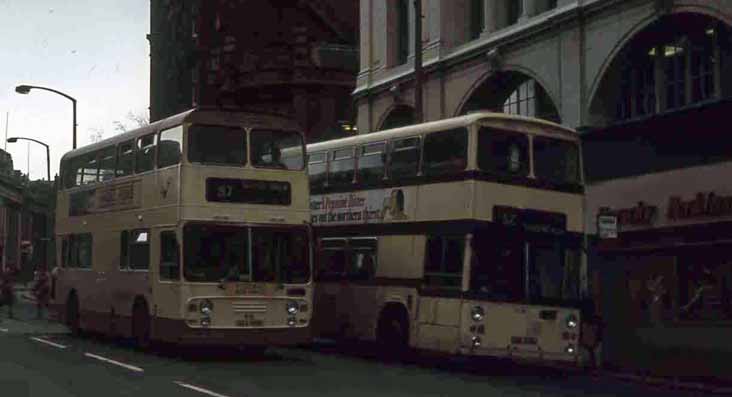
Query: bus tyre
(141,324)
(73,320)
(393,333)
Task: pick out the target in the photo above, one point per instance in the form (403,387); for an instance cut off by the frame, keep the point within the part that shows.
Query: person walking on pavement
(7,287)
(41,289)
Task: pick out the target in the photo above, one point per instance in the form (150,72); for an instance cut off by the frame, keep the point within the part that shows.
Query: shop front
(666,276)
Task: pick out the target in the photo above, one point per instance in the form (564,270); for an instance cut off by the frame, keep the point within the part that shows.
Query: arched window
(529,99)
(665,70)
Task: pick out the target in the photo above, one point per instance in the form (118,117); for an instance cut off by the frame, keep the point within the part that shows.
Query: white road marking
(48,342)
(199,389)
(123,365)
(4,330)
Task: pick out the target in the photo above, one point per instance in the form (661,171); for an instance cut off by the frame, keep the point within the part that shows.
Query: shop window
(443,265)
(371,163)
(706,290)
(446,152)
(169,256)
(318,170)
(342,166)
(404,158)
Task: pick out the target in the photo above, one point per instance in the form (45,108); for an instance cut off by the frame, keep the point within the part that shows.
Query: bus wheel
(393,332)
(73,321)
(141,324)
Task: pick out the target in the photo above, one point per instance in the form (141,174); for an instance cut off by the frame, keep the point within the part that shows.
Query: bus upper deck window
(145,153)
(503,152)
(556,160)
(126,158)
(371,162)
(217,145)
(317,168)
(342,167)
(170,146)
(404,158)
(446,151)
(107,161)
(277,149)
(89,170)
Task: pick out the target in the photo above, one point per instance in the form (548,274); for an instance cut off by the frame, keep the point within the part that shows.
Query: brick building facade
(297,58)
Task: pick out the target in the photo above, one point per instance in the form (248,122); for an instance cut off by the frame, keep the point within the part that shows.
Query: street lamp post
(46,251)
(25,89)
(48,153)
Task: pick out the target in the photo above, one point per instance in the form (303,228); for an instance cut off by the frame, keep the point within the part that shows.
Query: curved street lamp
(25,89)
(48,152)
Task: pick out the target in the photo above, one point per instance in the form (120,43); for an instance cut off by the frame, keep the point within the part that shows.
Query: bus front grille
(249,307)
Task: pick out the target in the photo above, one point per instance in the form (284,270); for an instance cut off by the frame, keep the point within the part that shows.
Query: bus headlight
(476,341)
(569,349)
(477,313)
(291,321)
(206,321)
(571,321)
(206,306)
(292,308)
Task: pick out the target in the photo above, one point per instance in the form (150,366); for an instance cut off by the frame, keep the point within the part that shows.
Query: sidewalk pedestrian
(7,287)
(592,331)
(41,289)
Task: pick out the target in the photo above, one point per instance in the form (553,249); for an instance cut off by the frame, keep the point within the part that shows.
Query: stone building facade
(647,84)
(296,58)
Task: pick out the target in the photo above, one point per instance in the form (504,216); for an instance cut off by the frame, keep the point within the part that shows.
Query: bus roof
(253,118)
(487,118)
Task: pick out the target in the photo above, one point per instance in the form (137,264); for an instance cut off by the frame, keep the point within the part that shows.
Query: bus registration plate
(249,320)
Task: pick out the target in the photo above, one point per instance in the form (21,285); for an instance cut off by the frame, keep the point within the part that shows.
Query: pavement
(40,358)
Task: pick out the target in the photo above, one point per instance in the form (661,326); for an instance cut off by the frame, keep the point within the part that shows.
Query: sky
(93,50)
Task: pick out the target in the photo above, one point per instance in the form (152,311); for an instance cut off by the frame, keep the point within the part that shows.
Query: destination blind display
(248,191)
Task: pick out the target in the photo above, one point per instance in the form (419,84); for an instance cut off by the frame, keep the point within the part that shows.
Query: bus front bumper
(176,331)
(529,357)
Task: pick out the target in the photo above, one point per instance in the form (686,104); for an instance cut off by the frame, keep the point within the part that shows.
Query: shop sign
(704,204)
(607,226)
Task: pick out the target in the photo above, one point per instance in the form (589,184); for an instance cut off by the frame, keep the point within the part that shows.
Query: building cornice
(564,17)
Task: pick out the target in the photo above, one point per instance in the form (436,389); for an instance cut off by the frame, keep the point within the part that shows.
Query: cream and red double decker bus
(461,236)
(193,229)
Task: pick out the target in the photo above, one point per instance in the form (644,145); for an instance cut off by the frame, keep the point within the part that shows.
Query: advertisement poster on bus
(370,206)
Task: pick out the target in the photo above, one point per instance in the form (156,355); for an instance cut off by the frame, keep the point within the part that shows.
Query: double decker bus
(460,236)
(192,230)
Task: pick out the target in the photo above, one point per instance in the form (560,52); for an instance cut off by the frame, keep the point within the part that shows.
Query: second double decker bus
(193,229)
(462,236)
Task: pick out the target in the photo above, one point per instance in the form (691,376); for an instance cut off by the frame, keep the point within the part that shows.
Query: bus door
(330,274)
(355,299)
(441,293)
(166,254)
